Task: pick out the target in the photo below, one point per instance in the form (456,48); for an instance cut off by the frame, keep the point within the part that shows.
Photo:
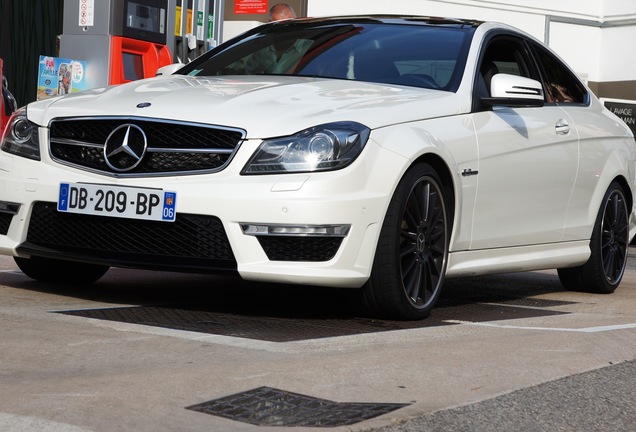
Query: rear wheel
(410,260)
(603,272)
(58,271)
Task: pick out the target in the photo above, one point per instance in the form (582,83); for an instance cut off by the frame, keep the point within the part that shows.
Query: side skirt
(518,259)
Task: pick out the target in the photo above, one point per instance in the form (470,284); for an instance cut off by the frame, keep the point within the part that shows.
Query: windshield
(429,56)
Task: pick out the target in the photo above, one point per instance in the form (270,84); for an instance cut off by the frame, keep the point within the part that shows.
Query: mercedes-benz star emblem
(125,148)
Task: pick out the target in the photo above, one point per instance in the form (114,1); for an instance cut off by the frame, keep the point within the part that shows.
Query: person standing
(281,11)
(277,58)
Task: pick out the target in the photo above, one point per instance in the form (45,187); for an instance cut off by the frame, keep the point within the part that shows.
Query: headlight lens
(21,136)
(321,148)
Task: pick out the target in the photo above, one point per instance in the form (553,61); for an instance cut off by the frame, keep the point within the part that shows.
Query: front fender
(448,139)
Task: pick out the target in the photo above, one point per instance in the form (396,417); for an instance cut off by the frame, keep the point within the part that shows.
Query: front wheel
(603,272)
(412,251)
(61,272)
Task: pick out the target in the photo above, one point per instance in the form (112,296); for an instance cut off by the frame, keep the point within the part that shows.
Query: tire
(603,272)
(412,251)
(60,272)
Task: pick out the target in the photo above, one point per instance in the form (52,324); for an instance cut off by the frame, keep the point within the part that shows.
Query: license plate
(117,201)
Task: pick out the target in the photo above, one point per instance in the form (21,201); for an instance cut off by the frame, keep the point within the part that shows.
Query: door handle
(562,127)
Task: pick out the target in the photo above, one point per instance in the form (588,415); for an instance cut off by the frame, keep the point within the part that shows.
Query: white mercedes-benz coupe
(379,153)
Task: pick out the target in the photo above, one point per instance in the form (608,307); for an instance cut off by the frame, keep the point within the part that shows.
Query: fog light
(295,230)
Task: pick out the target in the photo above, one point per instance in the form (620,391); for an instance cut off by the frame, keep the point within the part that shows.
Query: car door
(528,160)
(566,90)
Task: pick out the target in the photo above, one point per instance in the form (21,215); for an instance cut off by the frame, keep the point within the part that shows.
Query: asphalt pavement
(164,352)
(600,400)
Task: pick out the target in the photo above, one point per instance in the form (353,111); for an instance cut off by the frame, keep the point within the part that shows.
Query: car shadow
(235,296)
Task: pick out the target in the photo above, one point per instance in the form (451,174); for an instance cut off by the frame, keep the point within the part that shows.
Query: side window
(505,57)
(561,85)
(503,54)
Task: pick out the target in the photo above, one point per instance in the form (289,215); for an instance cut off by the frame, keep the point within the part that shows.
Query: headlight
(321,148)
(21,136)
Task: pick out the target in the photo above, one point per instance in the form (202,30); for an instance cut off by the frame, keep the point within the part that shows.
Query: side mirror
(514,91)
(8,101)
(169,69)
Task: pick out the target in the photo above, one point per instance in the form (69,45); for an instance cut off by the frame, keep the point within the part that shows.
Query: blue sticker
(62,202)
(169,206)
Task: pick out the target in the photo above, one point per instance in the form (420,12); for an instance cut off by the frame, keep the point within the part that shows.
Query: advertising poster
(250,7)
(59,76)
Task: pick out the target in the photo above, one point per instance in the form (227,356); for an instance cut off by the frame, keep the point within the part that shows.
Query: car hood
(263,106)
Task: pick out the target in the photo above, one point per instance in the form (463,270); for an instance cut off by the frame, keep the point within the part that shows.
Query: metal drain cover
(536,302)
(267,406)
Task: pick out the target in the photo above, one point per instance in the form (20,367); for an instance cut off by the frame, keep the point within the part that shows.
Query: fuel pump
(7,102)
(120,40)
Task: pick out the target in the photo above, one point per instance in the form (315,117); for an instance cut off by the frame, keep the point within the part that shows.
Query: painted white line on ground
(561,329)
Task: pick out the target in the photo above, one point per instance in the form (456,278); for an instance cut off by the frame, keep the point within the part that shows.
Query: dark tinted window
(501,54)
(561,85)
(504,54)
(507,55)
(415,55)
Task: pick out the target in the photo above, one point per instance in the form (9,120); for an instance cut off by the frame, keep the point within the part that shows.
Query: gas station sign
(623,109)
(242,7)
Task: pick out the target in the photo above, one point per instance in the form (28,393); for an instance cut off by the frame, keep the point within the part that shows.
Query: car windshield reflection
(412,55)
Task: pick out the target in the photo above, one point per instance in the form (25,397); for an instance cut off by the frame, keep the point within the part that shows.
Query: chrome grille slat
(75,143)
(177,150)
(174,148)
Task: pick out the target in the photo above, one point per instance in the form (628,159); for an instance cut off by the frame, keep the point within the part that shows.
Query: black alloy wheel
(412,252)
(609,243)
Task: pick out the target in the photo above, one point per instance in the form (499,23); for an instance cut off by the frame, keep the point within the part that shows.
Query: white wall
(235,28)
(582,9)
(527,18)
(496,10)
(514,12)
(617,56)
(619,9)
(577,45)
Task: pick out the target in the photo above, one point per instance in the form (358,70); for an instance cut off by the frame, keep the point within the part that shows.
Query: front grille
(5,221)
(289,248)
(172,147)
(192,242)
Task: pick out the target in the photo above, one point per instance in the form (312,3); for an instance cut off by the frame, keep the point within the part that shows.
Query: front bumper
(213,211)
